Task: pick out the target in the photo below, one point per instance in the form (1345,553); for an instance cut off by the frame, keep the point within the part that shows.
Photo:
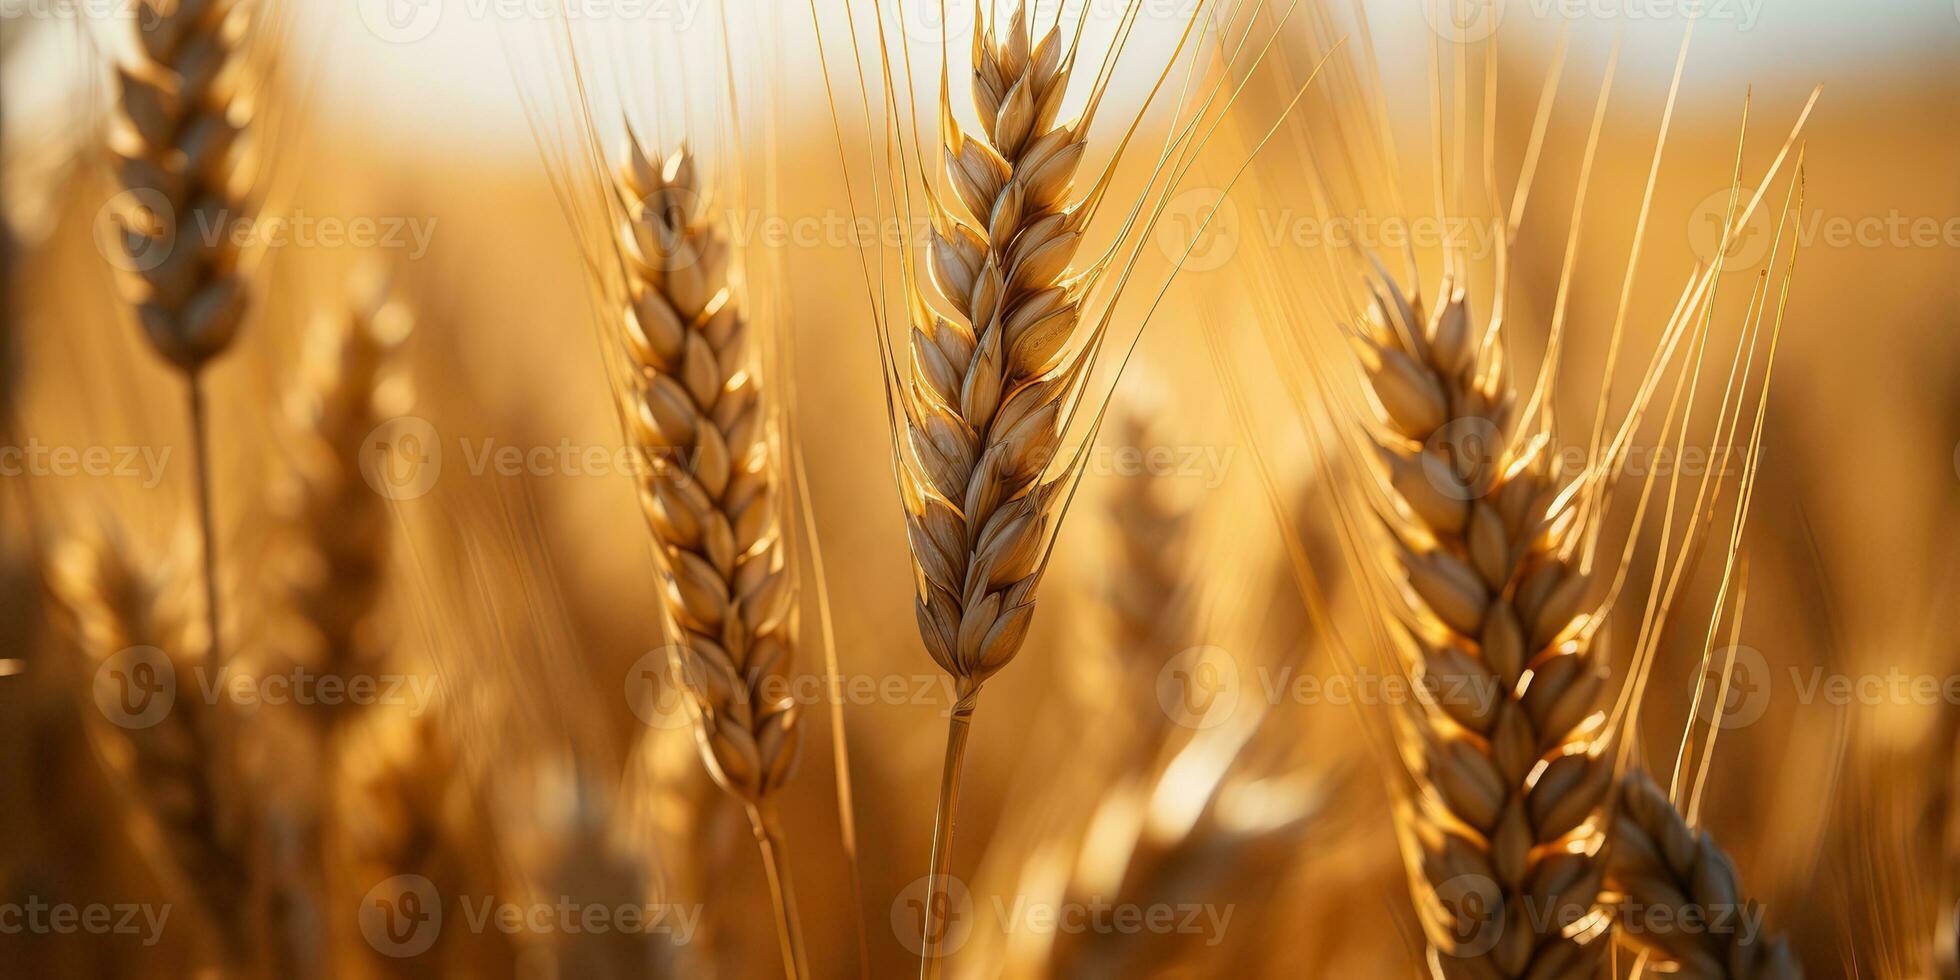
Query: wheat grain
(169,765)
(1707,927)
(1502,748)
(694,406)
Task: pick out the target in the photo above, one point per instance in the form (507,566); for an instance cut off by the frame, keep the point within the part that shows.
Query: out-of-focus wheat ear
(712,493)
(1148,587)
(1706,927)
(1503,831)
(152,729)
(335,552)
(180,138)
(405,807)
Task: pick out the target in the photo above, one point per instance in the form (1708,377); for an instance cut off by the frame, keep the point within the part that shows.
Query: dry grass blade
(711,492)
(151,730)
(1681,899)
(1495,615)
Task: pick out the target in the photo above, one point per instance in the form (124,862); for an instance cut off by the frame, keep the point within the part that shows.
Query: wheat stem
(775,863)
(206,521)
(938,899)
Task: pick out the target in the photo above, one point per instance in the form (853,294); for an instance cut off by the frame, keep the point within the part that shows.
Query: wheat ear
(169,766)
(337,548)
(711,493)
(179,144)
(1658,862)
(984,404)
(1510,782)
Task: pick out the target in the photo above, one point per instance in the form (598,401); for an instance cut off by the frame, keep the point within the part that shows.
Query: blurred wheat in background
(540,489)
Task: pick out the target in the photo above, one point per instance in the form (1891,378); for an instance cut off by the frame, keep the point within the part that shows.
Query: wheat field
(979,488)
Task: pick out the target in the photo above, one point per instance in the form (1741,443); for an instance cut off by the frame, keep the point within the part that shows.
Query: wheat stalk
(1495,608)
(179,144)
(711,490)
(170,766)
(1658,862)
(983,409)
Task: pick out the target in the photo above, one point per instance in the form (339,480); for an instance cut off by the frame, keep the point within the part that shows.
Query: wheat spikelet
(337,546)
(170,767)
(1659,862)
(711,494)
(179,145)
(1510,782)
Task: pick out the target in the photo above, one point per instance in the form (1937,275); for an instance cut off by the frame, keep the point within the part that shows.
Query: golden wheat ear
(152,729)
(336,546)
(1706,926)
(180,142)
(1492,606)
(712,492)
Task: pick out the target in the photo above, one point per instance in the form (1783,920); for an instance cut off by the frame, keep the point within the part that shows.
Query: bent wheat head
(1711,930)
(1503,747)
